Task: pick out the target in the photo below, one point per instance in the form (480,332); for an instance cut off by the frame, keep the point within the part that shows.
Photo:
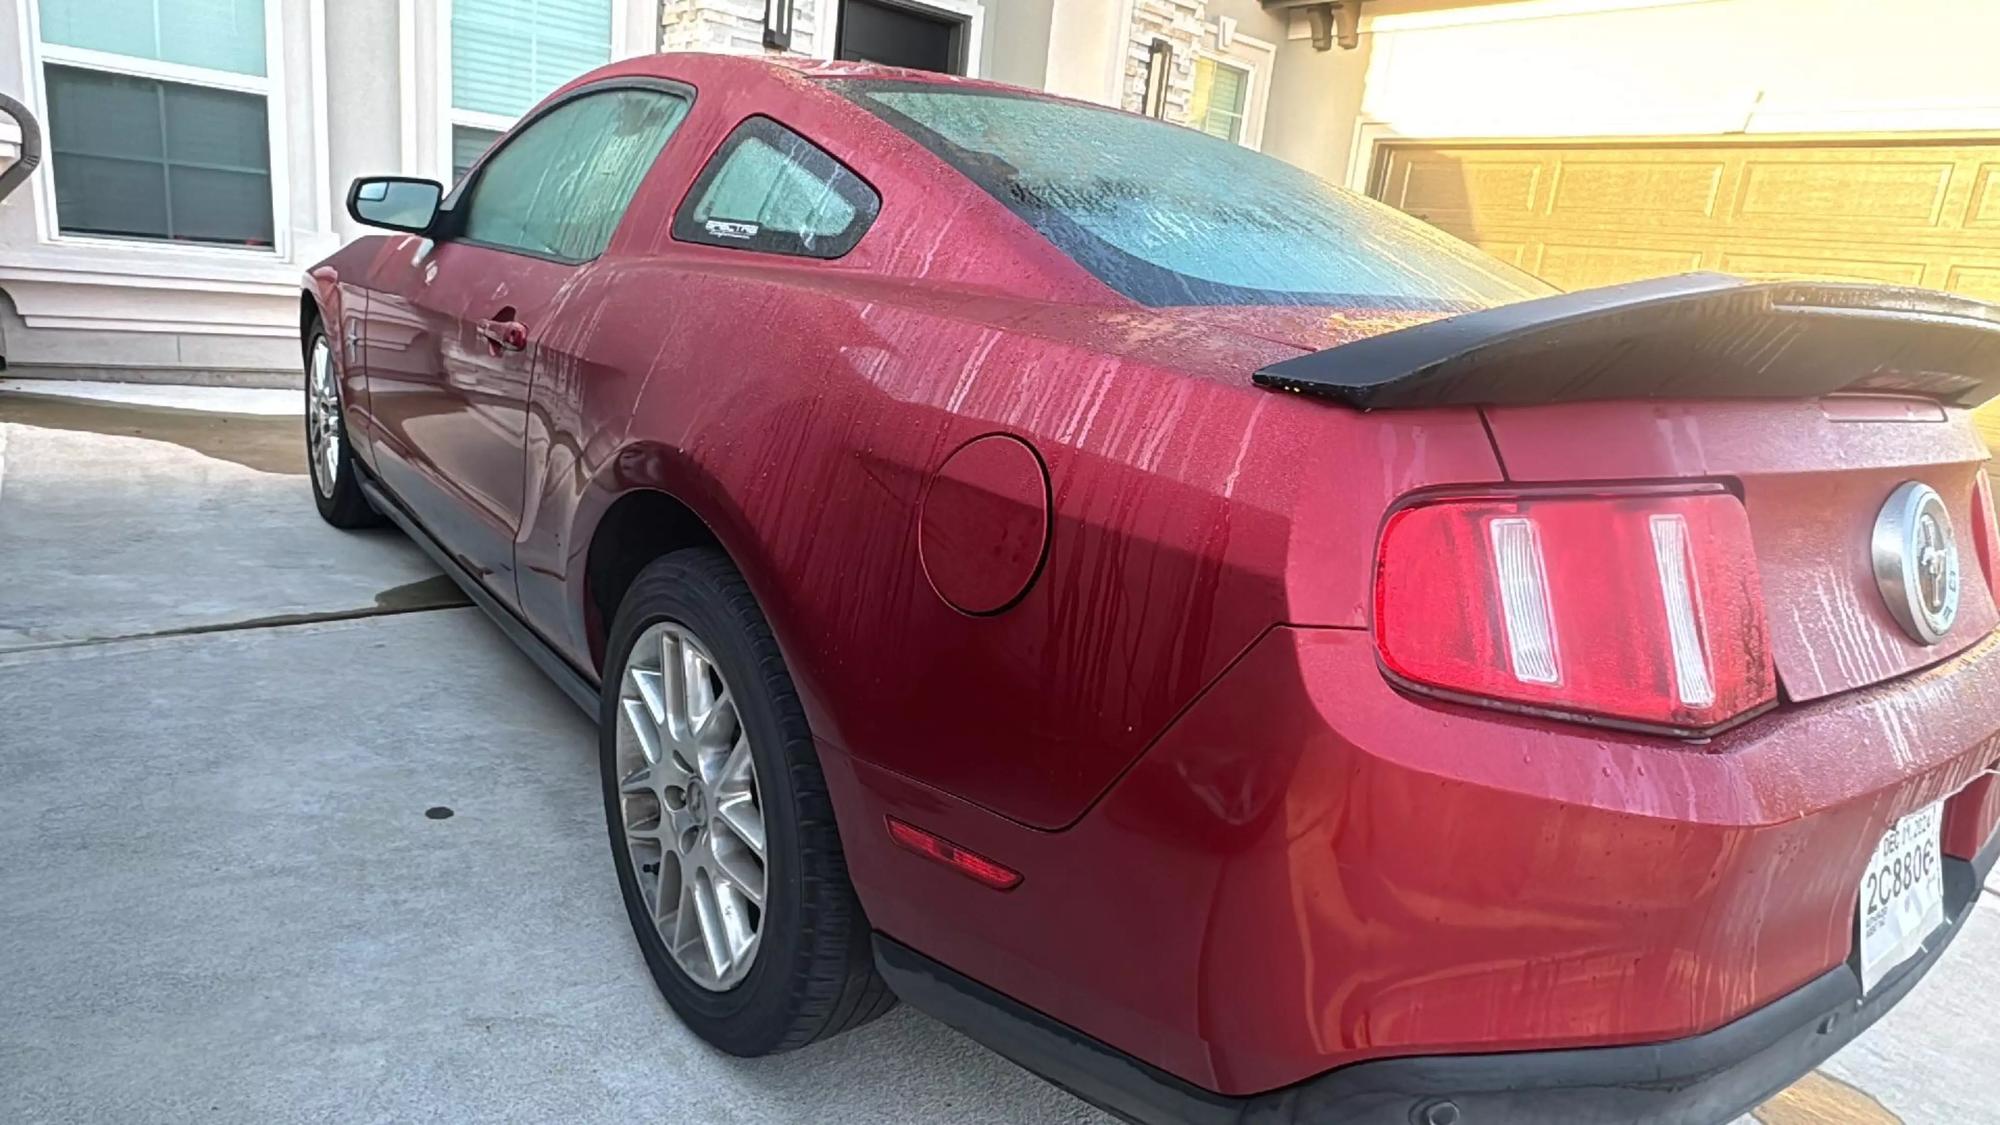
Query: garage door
(1907,212)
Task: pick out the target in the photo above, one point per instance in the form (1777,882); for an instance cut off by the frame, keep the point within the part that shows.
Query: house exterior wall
(1019,47)
(736,27)
(94,306)
(1098,51)
(356,87)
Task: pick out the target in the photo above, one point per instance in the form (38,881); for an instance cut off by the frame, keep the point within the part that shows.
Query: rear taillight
(1985,535)
(1639,609)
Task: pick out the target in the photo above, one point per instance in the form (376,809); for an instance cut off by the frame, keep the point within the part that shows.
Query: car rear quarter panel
(803,413)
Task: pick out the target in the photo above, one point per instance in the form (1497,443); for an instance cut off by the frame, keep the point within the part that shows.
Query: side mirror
(395,202)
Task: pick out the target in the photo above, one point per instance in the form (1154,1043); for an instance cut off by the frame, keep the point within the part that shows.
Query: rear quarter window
(769,189)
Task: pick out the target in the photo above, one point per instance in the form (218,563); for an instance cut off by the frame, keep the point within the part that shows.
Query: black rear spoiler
(1698,335)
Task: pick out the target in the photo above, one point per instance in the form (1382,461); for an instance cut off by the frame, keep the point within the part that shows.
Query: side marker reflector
(934,847)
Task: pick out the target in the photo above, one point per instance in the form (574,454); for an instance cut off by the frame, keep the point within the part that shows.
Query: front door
(456,334)
(451,350)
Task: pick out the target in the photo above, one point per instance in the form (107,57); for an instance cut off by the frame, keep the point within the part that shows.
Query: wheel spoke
(737,773)
(738,933)
(660,896)
(746,821)
(719,726)
(713,939)
(652,693)
(740,872)
(641,780)
(644,731)
(700,697)
(673,711)
(686,929)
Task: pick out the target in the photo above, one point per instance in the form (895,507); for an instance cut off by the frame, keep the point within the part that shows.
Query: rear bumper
(1697,1080)
(1310,872)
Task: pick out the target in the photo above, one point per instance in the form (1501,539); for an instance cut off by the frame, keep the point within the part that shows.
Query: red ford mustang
(1230,648)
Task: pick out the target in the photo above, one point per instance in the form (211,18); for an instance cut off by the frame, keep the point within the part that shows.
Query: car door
(454,342)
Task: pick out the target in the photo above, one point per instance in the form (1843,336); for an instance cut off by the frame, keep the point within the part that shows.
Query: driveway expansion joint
(275,621)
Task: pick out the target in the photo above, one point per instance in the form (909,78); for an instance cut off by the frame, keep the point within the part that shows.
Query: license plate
(1902,894)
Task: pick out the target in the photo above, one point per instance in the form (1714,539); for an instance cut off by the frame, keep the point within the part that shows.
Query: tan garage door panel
(1904,211)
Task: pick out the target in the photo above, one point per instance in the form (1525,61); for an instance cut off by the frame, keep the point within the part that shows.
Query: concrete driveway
(287,833)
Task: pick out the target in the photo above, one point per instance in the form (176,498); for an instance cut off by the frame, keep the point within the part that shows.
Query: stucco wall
(1314,96)
(361,48)
(1017,41)
(1086,50)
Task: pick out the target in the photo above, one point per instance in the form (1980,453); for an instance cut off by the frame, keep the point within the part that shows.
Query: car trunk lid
(1814,402)
(1813,476)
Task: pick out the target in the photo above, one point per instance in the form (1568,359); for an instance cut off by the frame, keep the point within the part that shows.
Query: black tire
(343,505)
(814,973)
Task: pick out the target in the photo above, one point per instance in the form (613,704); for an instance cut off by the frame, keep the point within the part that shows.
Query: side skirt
(574,683)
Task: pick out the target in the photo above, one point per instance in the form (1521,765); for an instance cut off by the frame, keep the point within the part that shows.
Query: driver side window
(558,188)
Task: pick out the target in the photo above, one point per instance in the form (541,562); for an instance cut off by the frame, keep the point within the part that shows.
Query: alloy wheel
(688,800)
(323,417)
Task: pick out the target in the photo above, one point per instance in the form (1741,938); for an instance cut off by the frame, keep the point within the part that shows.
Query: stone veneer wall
(733,27)
(1179,22)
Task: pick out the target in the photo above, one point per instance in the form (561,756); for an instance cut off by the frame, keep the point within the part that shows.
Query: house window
(506,55)
(159,119)
(468,144)
(1221,99)
(1232,86)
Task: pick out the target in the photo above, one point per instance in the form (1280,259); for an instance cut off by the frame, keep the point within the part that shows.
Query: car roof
(689,65)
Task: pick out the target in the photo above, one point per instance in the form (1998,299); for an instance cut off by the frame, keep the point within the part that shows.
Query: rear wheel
(721,829)
(335,479)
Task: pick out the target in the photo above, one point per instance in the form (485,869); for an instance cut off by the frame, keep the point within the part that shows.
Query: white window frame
(270,86)
(626,41)
(826,28)
(1255,57)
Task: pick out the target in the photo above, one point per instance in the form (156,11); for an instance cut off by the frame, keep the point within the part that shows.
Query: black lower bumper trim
(1701,1080)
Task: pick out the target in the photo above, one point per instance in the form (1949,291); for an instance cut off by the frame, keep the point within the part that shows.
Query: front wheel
(335,478)
(721,829)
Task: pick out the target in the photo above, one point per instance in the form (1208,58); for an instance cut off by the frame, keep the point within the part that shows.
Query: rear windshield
(1172,216)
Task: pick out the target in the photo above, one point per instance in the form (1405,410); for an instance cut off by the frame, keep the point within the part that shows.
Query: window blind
(139,158)
(1219,94)
(507,54)
(214,34)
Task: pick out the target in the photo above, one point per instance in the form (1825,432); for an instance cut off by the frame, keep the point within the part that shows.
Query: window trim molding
(450,220)
(271,86)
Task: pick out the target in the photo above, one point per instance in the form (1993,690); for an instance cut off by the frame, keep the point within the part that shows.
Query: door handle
(503,335)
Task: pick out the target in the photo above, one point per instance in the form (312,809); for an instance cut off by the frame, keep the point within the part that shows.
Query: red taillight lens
(1985,535)
(1641,608)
